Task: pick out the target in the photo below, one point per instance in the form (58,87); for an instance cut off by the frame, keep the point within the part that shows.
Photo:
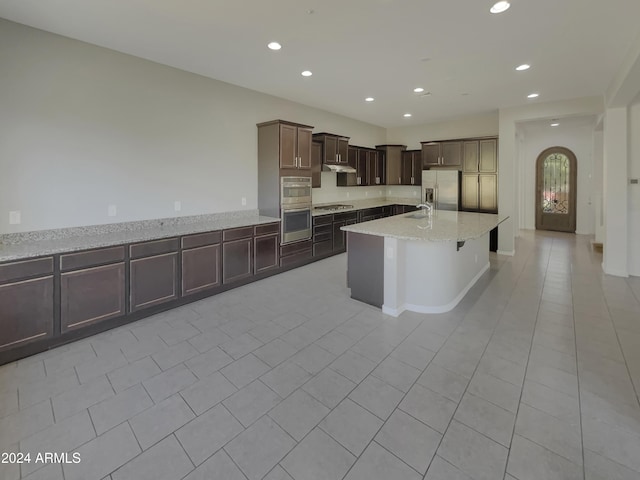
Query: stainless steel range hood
(337,168)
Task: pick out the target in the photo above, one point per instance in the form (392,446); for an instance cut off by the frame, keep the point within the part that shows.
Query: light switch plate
(177,205)
(15,217)
(112,211)
(244,201)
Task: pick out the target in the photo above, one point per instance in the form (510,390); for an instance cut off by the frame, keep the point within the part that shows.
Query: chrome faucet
(426,206)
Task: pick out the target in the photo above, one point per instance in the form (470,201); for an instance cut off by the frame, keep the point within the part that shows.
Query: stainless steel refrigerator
(441,188)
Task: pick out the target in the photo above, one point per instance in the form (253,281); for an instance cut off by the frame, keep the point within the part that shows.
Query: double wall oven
(295,208)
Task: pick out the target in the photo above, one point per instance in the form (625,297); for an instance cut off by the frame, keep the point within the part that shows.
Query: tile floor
(534,376)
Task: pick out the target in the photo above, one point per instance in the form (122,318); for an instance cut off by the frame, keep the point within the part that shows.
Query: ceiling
(457,50)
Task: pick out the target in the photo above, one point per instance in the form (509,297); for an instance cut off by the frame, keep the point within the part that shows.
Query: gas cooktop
(337,206)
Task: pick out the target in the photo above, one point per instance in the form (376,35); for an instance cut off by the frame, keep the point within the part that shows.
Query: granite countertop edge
(379,228)
(363,204)
(52,246)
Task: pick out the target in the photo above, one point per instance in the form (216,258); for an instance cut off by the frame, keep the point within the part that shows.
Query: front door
(556,190)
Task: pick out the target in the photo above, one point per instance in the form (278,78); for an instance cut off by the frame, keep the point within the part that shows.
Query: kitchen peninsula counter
(418,262)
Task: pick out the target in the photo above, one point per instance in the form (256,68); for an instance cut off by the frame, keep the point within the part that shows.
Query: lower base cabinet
(266,250)
(153,280)
(200,269)
(236,260)
(92,295)
(27,312)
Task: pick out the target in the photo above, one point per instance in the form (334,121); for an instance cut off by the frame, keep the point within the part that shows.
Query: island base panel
(365,268)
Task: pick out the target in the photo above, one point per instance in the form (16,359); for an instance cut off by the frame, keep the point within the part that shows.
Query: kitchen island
(418,262)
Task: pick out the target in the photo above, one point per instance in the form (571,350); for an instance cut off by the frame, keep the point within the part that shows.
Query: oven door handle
(296,185)
(294,210)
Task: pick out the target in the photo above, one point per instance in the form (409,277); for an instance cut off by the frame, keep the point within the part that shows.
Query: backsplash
(329,192)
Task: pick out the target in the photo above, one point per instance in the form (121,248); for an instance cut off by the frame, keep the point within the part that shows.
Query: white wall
(83,127)
(597,183)
(634,190)
(578,138)
(483,125)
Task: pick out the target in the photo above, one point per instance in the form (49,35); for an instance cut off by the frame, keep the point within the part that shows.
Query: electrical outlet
(347,194)
(112,211)
(177,205)
(14,217)
(366,194)
(415,194)
(243,201)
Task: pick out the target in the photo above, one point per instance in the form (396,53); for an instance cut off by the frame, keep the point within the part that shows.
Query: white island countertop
(441,226)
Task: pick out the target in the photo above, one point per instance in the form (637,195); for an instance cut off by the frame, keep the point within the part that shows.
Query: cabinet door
(361,168)
(27,312)
(470,157)
(394,167)
(304,148)
(338,236)
(342,149)
(381,168)
(416,168)
(267,252)
(352,156)
(200,269)
(236,260)
(288,146)
(373,172)
(488,156)
(469,191)
(430,154)
(451,153)
(153,281)
(488,194)
(91,295)
(407,168)
(331,150)
(316,165)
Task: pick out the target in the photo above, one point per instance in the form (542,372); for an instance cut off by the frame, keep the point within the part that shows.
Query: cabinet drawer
(295,247)
(267,229)
(339,217)
(91,295)
(320,229)
(157,247)
(295,258)
(237,233)
(201,239)
(28,268)
(322,237)
(323,220)
(91,258)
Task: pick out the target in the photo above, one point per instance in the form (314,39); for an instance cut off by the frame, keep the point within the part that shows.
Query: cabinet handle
(377,180)
(412,181)
(358,181)
(399,181)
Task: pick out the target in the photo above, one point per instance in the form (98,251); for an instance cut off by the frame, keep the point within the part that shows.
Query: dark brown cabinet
(479,177)
(412,167)
(340,237)
(375,168)
(266,247)
(322,235)
(237,254)
(295,146)
(335,148)
(92,287)
(153,281)
(488,158)
(27,304)
(393,163)
(201,262)
(316,165)
(442,154)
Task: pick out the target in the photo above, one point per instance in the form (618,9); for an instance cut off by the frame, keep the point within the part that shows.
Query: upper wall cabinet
(392,160)
(480,156)
(442,154)
(289,142)
(335,148)
(316,165)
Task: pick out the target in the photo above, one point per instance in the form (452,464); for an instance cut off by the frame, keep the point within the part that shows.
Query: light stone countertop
(51,242)
(442,226)
(362,204)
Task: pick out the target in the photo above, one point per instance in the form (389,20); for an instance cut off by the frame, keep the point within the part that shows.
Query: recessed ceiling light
(274,46)
(533,95)
(555,124)
(306,73)
(418,89)
(522,67)
(407,115)
(369,99)
(500,7)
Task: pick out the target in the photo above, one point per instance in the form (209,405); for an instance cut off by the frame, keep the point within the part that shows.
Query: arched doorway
(556,173)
